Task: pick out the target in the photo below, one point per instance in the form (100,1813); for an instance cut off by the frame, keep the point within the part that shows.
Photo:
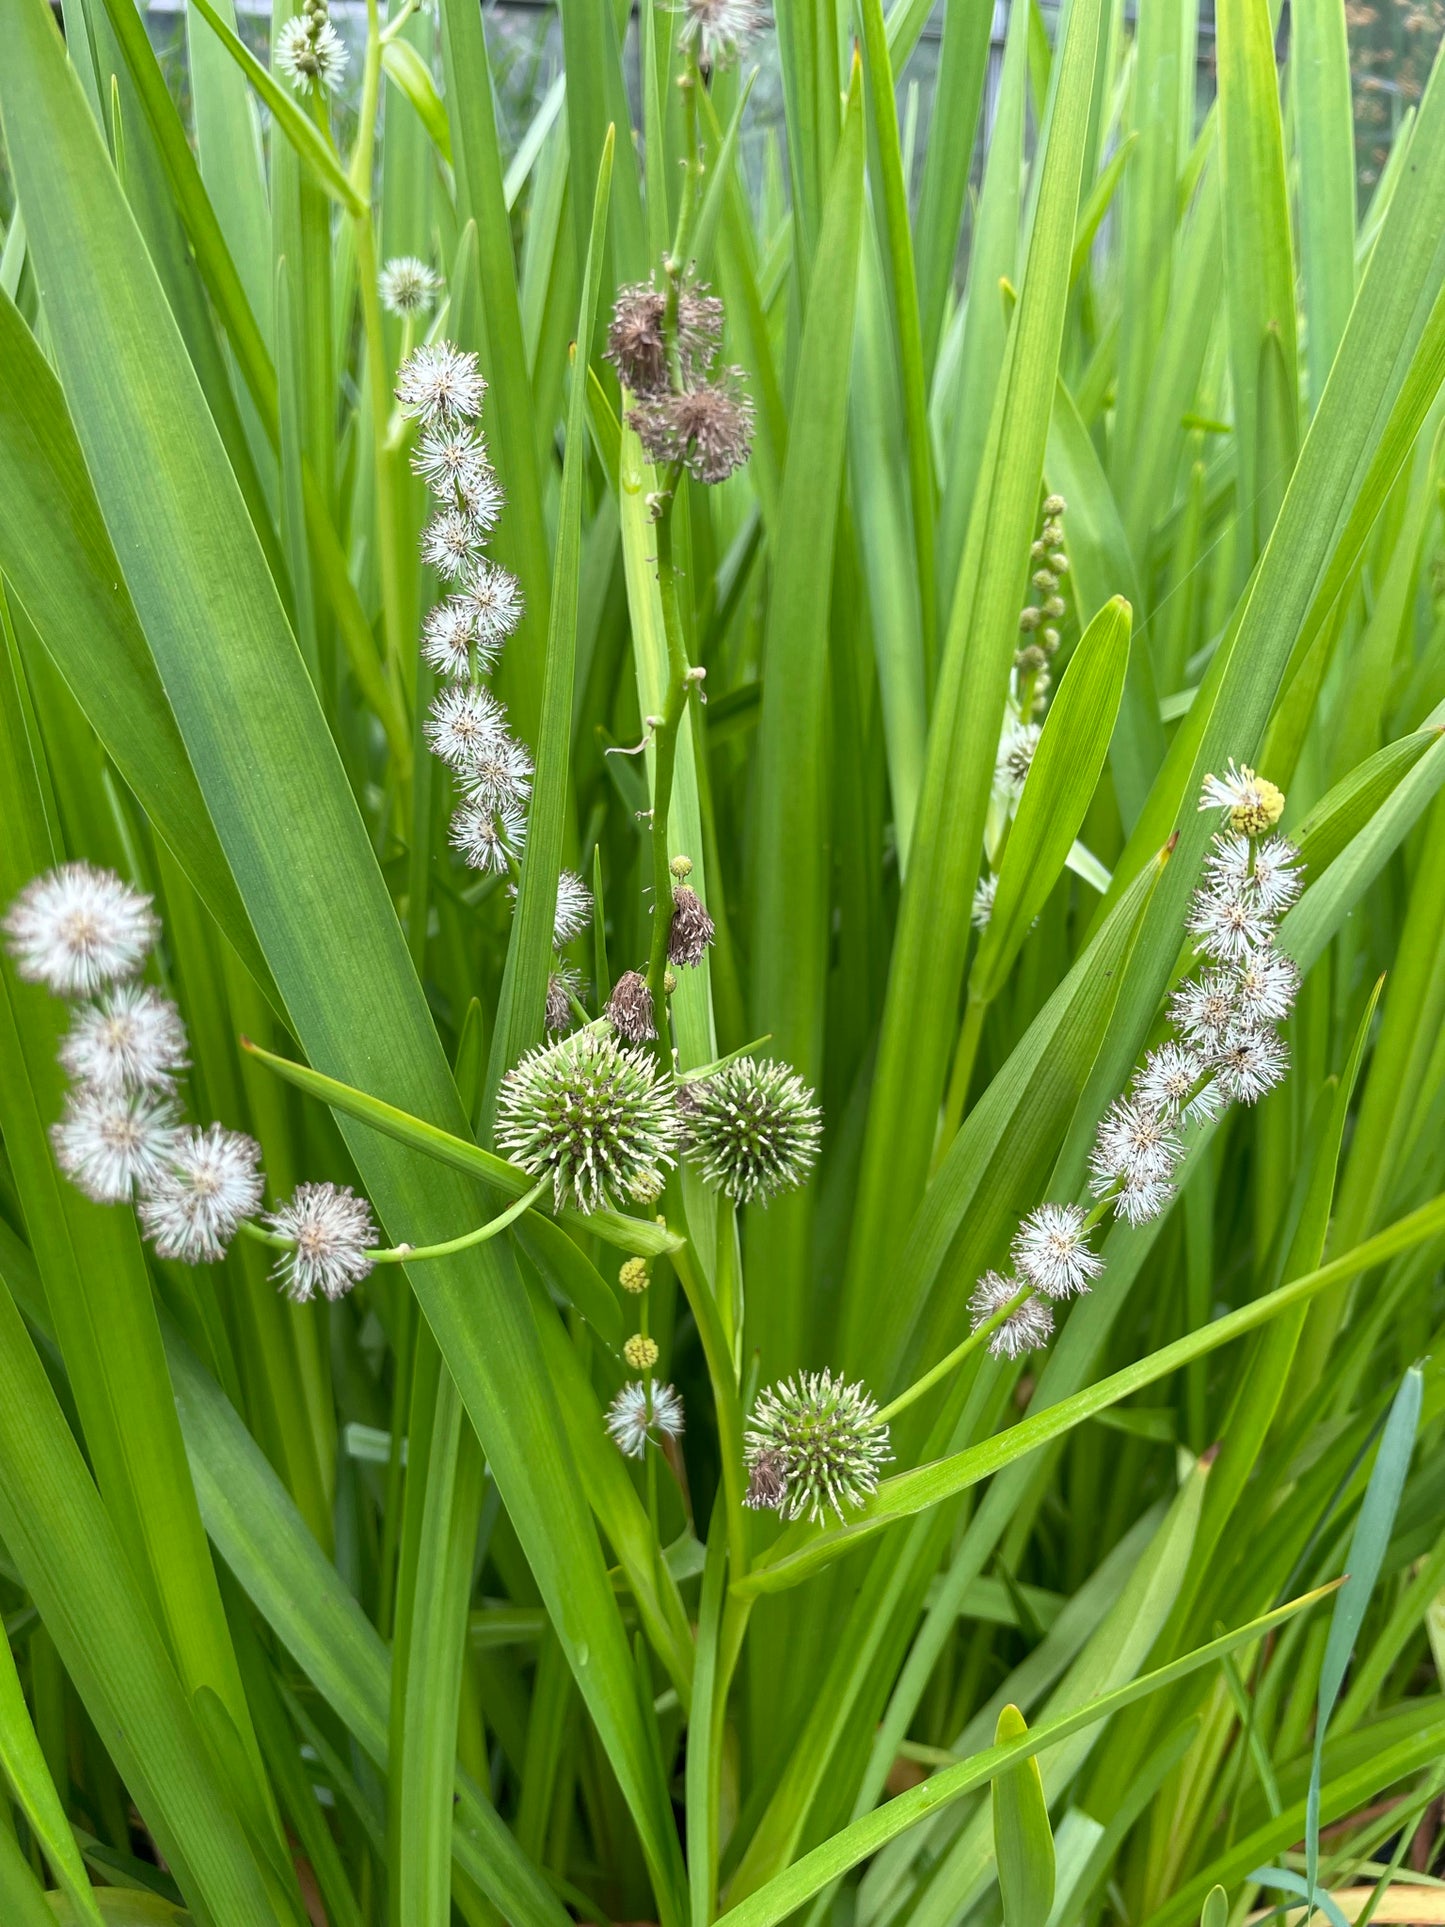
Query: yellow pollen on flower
(640,1352)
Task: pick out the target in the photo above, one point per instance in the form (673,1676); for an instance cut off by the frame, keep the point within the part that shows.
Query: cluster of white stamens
(1225,1050)
(121,1138)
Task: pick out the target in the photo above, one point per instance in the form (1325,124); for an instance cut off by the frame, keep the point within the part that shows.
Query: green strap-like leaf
(1023,1841)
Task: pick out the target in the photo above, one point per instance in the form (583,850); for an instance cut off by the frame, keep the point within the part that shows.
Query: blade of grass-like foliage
(801,1550)
(613,1227)
(21,1892)
(704,1747)
(993,259)
(23,1765)
(80,1576)
(903,287)
(522,999)
(1320,75)
(297,847)
(929,950)
(409,73)
(1023,1841)
(791,875)
(591,51)
(1066,767)
(228,148)
(1259,261)
(57,558)
(1367,1550)
(864,1837)
(962,66)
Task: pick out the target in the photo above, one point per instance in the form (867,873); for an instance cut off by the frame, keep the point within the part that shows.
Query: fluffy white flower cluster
(310,53)
(87,935)
(441,388)
(1225,1049)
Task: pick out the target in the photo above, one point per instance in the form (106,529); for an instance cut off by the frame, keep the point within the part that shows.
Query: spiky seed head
(1027,1328)
(699,330)
(77,928)
(333,1236)
(821,1437)
(1051,1251)
(752,1129)
(213,1181)
(633,1275)
(1252,803)
(643,1410)
(132,1038)
(439,382)
(407,286)
(708,428)
(589,1114)
(111,1142)
(640,1351)
(636,346)
(691,929)
(629,1008)
(767,1486)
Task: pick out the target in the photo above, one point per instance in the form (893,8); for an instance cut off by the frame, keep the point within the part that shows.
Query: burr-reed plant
(722,1112)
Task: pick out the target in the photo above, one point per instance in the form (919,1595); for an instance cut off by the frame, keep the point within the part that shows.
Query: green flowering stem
(964,1058)
(718,1354)
(679,682)
(676,262)
(413,1254)
(378,391)
(956,1357)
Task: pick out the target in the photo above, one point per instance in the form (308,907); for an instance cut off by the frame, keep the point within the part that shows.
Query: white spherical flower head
(1027,1328)
(590,1115)
(1141,1197)
(440,383)
(1228,924)
(1277,879)
(310,54)
(641,1412)
(448,456)
(574,908)
(480,499)
(821,1442)
(487,838)
(1252,803)
(751,1129)
(407,286)
(449,543)
(494,596)
(464,723)
(1172,1080)
(448,636)
(720,28)
(1051,1251)
(499,776)
(77,928)
(1253,1063)
(109,1142)
(1267,985)
(1015,758)
(985,890)
(1133,1141)
(1206,1009)
(131,1039)
(213,1181)
(332,1235)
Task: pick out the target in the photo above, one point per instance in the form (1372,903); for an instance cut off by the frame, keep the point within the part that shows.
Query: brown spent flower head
(636,346)
(559,1002)
(767,1483)
(709,428)
(629,1008)
(691,930)
(640,1351)
(634,1276)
